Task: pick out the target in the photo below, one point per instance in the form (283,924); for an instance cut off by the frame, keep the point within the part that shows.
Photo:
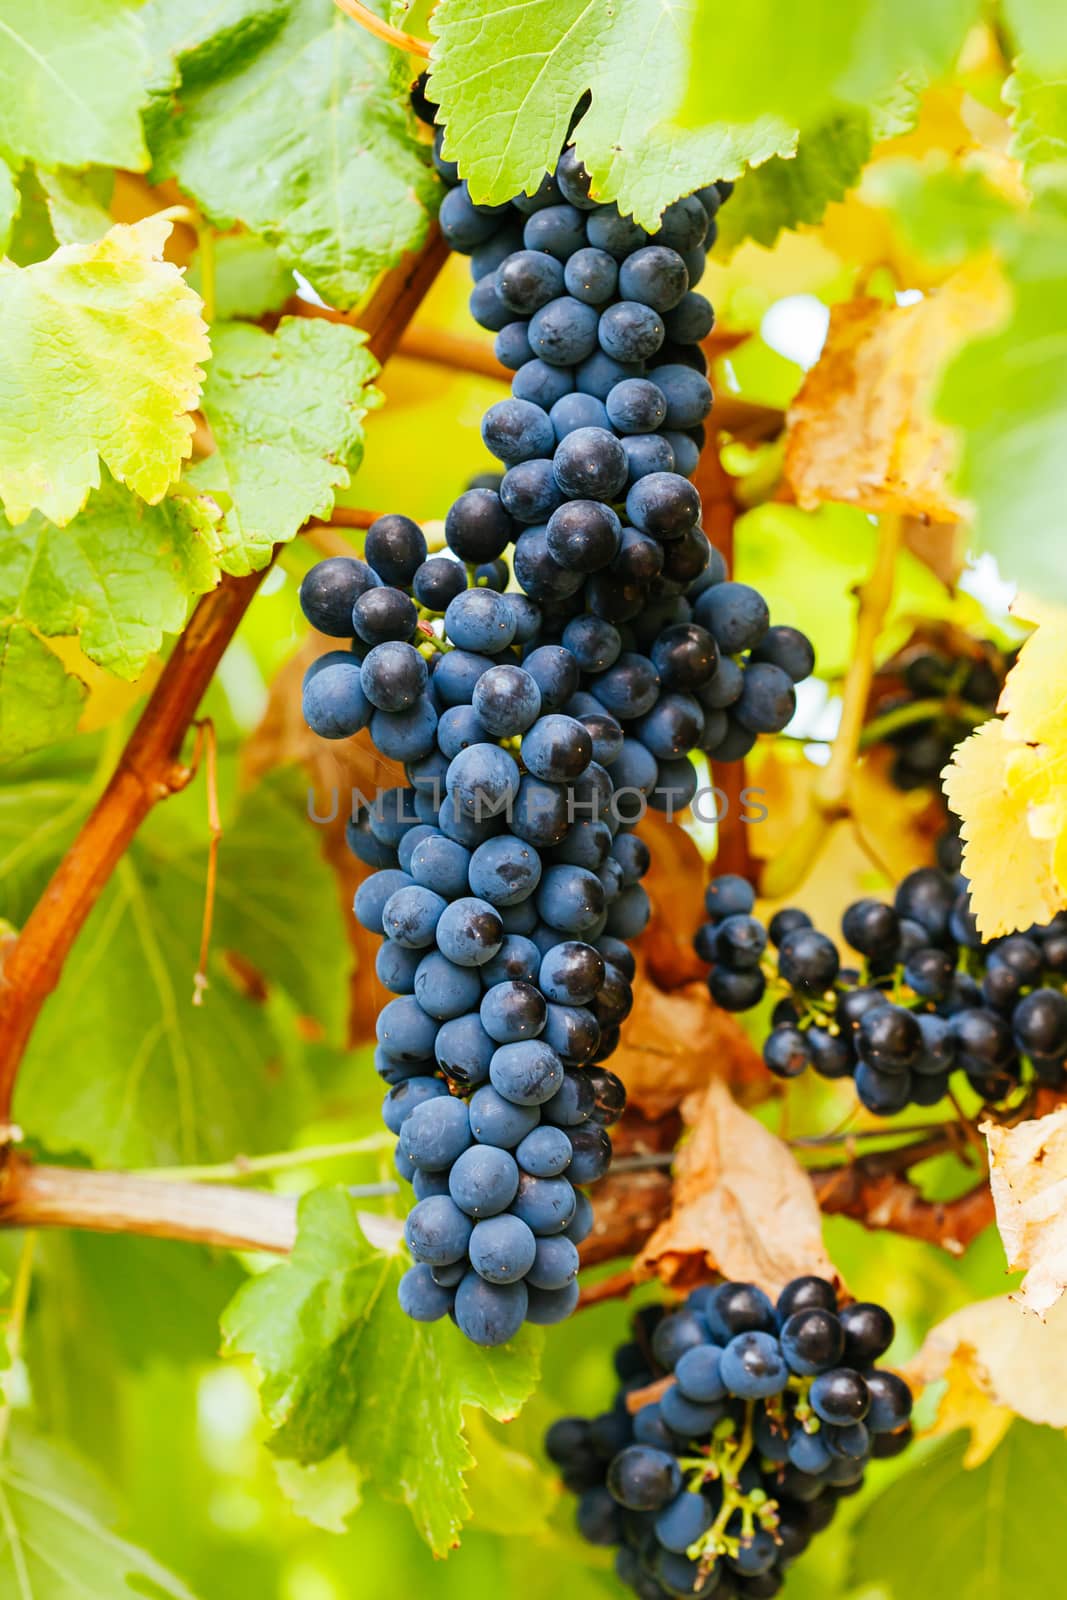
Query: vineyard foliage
(232,336)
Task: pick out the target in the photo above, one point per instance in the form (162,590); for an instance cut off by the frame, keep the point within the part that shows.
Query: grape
(410,916)
(840,1397)
(665,505)
(583,535)
(590,464)
(618,235)
(529,492)
(690,320)
(434,1133)
(372,895)
(395,547)
(440,864)
(502,1249)
(649,452)
(687,393)
(544,1153)
(788,649)
(636,406)
(504,871)
(767,700)
(600,373)
(555,672)
(739,1308)
(570,899)
(656,276)
(481,781)
(462,224)
(541,384)
(527,1072)
(590,275)
(463,1050)
(444,989)
(734,614)
(330,590)
(483,1180)
(547,1205)
(477,526)
(559,230)
(813,1340)
(335,704)
(539,812)
(556,748)
(571,973)
(593,643)
(527,280)
(1040,1023)
(753,1367)
(563,332)
(890,1399)
(395,967)
(489,1313)
(512,1011)
(437,1232)
(630,332)
(406,735)
(629,688)
(644,1479)
(470,932)
(420,1297)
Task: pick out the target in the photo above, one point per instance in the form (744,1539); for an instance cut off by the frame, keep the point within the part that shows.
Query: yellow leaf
(861,430)
(1028,1176)
(1000,1362)
(102,344)
(1008,784)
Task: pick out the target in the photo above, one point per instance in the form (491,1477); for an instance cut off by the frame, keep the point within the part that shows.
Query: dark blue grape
(629,331)
(489,1313)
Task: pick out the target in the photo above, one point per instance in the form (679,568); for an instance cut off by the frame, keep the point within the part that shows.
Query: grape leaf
(785,192)
(1040,120)
(120,575)
(804,59)
(77,204)
(56,1532)
(978,1536)
(122,1066)
(286,412)
(1040,27)
(75,74)
(250,278)
(1008,785)
(296,94)
(40,701)
(341,1364)
(1028,1177)
(508,79)
(101,345)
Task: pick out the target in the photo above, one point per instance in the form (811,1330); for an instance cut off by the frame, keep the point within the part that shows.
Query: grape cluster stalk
(929,997)
(738,1427)
(542,682)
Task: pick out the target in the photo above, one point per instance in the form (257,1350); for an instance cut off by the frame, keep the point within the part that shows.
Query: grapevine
(533,843)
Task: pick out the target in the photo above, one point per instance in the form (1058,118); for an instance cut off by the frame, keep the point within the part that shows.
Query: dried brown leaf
(675,885)
(861,430)
(677,1041)
(742,1204)
(1028,1176)
(1000,1362)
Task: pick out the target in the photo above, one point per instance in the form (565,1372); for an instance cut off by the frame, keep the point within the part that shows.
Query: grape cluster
(601,324)
(942,695)
(761,1418)
(929,998)
(542,681)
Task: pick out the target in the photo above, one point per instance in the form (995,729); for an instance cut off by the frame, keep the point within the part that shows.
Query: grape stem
(883,727)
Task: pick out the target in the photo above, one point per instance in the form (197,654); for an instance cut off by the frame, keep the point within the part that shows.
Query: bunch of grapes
(943,695)
(928,998)
(542,682)
(738,1427)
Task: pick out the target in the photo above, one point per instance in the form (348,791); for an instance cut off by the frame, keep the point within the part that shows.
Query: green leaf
(250,277)
(56,1532)
(40,701)
(341,1364)
(1040,27)
(123,1067)
(1040,121)
(101,344)
(32,237)
(946,215)
(286,411)
(784,193)
(508,78)
(75,74)
(803,60)
(120,575)
(288,120)
(978,1538)
(77,204)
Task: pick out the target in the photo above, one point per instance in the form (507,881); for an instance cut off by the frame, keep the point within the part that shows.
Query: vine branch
(151,767)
